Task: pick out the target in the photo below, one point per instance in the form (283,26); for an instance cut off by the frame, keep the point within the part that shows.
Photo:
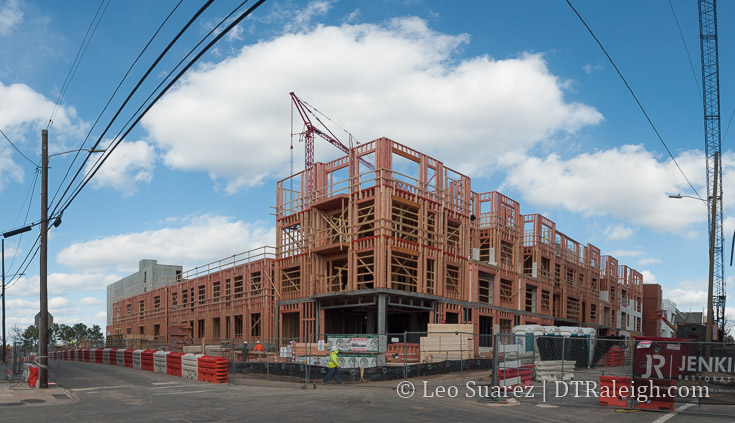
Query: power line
(89,133)
(728,124)
(17,149)
(27,261)
(170,84)
(650,122)
(34,249)
(691,65)
(117,140)
(130,95)
(77,60)
(28,210)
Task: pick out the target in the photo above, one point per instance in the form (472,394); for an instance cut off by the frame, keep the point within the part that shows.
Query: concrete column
(371,328)
(382,314)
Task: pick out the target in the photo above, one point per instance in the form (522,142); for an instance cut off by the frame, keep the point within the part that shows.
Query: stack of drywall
(447,342)
(552,370)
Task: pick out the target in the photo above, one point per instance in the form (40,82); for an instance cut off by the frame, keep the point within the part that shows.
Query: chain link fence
(655,374)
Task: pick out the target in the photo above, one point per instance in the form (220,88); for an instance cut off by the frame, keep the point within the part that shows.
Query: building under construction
(384,240)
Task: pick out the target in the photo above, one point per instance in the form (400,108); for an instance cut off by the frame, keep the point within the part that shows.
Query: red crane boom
(308,132)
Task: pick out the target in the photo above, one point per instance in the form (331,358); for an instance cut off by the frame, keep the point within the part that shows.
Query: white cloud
(399,80)
(628,183)
(617,232)
(62,283)
(648,277)
(302,20)
(10,171)
(626,253)
(130,163)
(649,260)
(688,295)
(58,303)
(10,16)
(23,112)
(206,238)
(91,301)
(590,68)
(22,106)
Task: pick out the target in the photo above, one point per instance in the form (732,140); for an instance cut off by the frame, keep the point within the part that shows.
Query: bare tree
(16,334)
(729,325)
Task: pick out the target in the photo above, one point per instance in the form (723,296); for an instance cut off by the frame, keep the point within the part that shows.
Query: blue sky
(517,95)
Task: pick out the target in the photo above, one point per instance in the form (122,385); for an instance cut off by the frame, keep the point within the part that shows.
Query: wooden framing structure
(390,249)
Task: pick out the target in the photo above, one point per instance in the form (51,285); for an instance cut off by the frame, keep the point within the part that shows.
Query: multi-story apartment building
(387,240)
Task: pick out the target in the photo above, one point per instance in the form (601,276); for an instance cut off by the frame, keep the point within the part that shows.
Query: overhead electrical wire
(78,59)
(104,109)
(650,122)
(17,149)
(35,248)
(130,95)
(691,64)
(116,140)
(28,211)
(196,58)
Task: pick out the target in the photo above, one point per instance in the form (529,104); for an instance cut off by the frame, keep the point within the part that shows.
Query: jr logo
(660,361)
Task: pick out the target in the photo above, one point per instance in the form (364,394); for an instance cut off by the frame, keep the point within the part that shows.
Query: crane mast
(713,144)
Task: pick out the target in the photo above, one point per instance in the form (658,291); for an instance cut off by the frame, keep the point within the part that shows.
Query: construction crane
(307,136)
(713,144)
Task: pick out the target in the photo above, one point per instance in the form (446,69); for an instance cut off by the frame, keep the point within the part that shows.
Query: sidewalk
(18,393)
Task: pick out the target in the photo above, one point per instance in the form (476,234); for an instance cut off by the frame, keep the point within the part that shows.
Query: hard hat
(335,349)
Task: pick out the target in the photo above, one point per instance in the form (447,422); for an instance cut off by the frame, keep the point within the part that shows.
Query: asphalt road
(104,393)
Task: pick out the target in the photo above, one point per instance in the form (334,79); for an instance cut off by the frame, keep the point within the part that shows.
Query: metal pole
(563,345)
(708,325)
(496,351)
(43,320)
(3,294)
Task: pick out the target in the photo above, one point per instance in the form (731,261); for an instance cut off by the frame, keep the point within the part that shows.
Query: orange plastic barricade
(173,364)
(614,391)
(99,355)
(657,393)
(113,356)
(146,360)
(32,376)
(212,369)
(128,358)
(615,357)
(516,376)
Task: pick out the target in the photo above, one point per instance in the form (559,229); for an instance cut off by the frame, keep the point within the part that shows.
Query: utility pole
(4,342)
(710,287)
(43,321)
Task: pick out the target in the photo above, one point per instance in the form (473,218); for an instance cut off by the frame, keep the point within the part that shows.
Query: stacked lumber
(301,349)
(447,342)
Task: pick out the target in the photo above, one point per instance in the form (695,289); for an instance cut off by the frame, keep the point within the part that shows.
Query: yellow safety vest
(333,360)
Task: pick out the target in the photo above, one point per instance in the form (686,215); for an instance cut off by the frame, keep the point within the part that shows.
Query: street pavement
(97,392)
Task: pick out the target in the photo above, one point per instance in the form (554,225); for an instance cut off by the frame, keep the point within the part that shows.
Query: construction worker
(333,367)
(245,351)
(258,347)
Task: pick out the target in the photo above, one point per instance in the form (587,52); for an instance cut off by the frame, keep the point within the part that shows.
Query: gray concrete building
(150,275)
